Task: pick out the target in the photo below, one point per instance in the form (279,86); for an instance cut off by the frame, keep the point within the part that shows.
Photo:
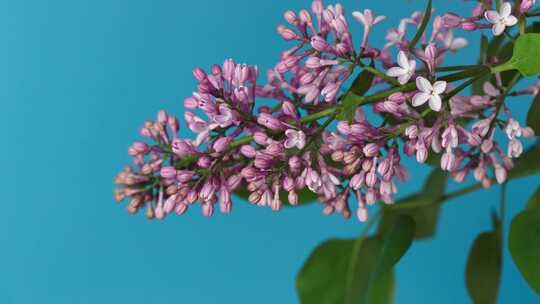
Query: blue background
(78,78)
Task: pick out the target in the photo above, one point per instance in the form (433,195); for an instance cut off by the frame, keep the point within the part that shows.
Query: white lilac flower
(405,70)
(295,139)
(429,92)
(501,19)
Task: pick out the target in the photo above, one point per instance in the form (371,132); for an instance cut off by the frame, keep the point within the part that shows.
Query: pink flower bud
(317,7)
(260,138)
(159,212)
(207,209)
(319,43)
(190,103)
(526,5)
(293,198)
(468,26)
(290,16)
(459,176)
(199,74)
(162,117)
(204,162)
(527,132)
(313,62)
(286,33)
(169,204)
(371,150)
(357,181)
(295,162)
(168,172)
(362,214)
(221,144)
(289,109)
(451,20)
(248,151)
(140,147)
(180,208)
(371,179)
(234,181)
(288,183)
(305,17)
(500,174)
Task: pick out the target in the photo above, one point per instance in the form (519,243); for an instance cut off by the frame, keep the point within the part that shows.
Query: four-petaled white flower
(295,139)
(405,70)
(501,19)
(429,92)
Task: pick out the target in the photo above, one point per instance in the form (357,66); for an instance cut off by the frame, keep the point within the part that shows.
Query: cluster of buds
(278,153)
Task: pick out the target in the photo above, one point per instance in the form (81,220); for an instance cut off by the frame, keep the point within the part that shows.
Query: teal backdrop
(78,78)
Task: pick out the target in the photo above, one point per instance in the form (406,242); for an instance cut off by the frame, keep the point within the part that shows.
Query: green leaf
(425,216)
(483,273)
(534,201)
(397,241)
(324,277)
(527,164)
(423,25)
(526,56)
(353,97)
(304,196)
(524,244)
(533,117)
(362,83)
(484,44)
(355,271)
(476,87)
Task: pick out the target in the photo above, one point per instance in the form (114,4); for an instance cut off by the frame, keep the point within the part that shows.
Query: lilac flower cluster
(278,154)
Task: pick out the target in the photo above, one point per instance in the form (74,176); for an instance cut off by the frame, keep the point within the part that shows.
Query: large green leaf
(534,201)
(533,117)
(426,216)
(331,275)
(524,244)
(483,271)
(526,56)
(355,271)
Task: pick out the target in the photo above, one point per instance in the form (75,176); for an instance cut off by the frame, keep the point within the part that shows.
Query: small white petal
(403,79)
(396,71)
(505,10)
(420,99)
(289,143)
(423,84)
(402,60)
(360,17)
(379,19)
(492,16)
(511,21)
(439,87)
(435,103)
(458,43)
(412,65)
(498,28)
